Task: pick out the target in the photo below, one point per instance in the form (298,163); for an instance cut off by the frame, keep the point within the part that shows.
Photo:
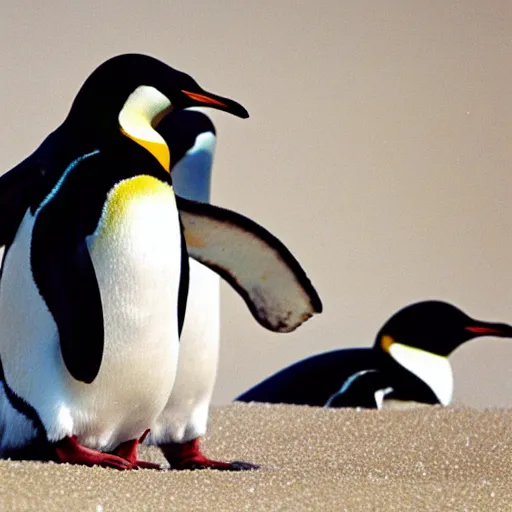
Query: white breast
(186,413)
(137,259)
(434,370)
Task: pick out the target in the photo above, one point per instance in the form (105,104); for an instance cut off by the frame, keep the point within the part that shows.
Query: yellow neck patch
(159,150)
(386,342)
(121,197)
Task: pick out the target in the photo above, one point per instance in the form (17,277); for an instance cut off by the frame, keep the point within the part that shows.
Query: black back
(315,379)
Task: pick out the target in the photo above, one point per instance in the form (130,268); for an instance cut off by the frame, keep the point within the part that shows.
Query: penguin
(365,389)
(95,271)
(61,284)
(411,352)
(191,137)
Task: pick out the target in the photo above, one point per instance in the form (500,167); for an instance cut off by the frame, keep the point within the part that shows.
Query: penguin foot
(128,451)
(189,456)
(70,451)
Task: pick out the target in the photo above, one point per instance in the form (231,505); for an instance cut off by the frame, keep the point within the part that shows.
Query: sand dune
(313,459)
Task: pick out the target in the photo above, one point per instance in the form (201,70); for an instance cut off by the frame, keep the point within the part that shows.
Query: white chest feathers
(434,370)
(136,253)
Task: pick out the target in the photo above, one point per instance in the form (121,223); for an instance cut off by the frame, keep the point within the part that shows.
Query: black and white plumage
(254,262)
(411,353)
(95,271)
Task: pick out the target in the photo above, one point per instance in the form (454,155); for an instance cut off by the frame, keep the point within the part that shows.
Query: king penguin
(191,138)
(411,353)
(95,271)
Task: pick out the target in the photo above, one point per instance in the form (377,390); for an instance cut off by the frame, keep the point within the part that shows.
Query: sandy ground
(313,459)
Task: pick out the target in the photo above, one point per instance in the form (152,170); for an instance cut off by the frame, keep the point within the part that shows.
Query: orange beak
(208,99)
(201,98)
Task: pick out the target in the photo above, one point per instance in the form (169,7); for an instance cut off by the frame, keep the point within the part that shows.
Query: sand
(312,459)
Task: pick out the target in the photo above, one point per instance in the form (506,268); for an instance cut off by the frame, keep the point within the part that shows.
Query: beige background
(378,149)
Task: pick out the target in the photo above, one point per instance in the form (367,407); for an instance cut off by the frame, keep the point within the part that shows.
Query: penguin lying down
(407,366)
(95,273)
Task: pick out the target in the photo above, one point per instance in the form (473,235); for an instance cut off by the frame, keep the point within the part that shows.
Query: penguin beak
(208,99)
(488,329)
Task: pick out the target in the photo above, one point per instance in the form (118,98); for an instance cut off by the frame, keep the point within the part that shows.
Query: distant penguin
(411,352)
(190,136)
(365,389)
(95,272)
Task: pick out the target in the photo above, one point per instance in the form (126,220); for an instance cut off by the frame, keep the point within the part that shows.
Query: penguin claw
(113,462)
(189,456)
(128,452)
(70,451)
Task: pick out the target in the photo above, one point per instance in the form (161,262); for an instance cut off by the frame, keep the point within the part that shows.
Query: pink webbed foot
(70,451)
(189,456)
(128,451)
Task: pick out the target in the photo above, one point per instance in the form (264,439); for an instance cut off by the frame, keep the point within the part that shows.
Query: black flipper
(64,274)
(254,262)
(63,270)
(60,259)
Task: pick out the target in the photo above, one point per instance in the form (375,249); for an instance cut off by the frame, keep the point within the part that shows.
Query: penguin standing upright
(410,353)
(191,137)
(95,272)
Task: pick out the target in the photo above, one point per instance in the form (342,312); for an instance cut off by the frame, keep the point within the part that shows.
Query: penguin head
(191,137)
(421,336)
(365,389)
(436,327)
(132,93)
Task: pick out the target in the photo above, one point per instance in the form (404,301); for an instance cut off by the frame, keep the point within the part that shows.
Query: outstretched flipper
(254,262)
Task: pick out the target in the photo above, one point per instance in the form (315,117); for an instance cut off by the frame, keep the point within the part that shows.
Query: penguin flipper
(254,262)
(65,276)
